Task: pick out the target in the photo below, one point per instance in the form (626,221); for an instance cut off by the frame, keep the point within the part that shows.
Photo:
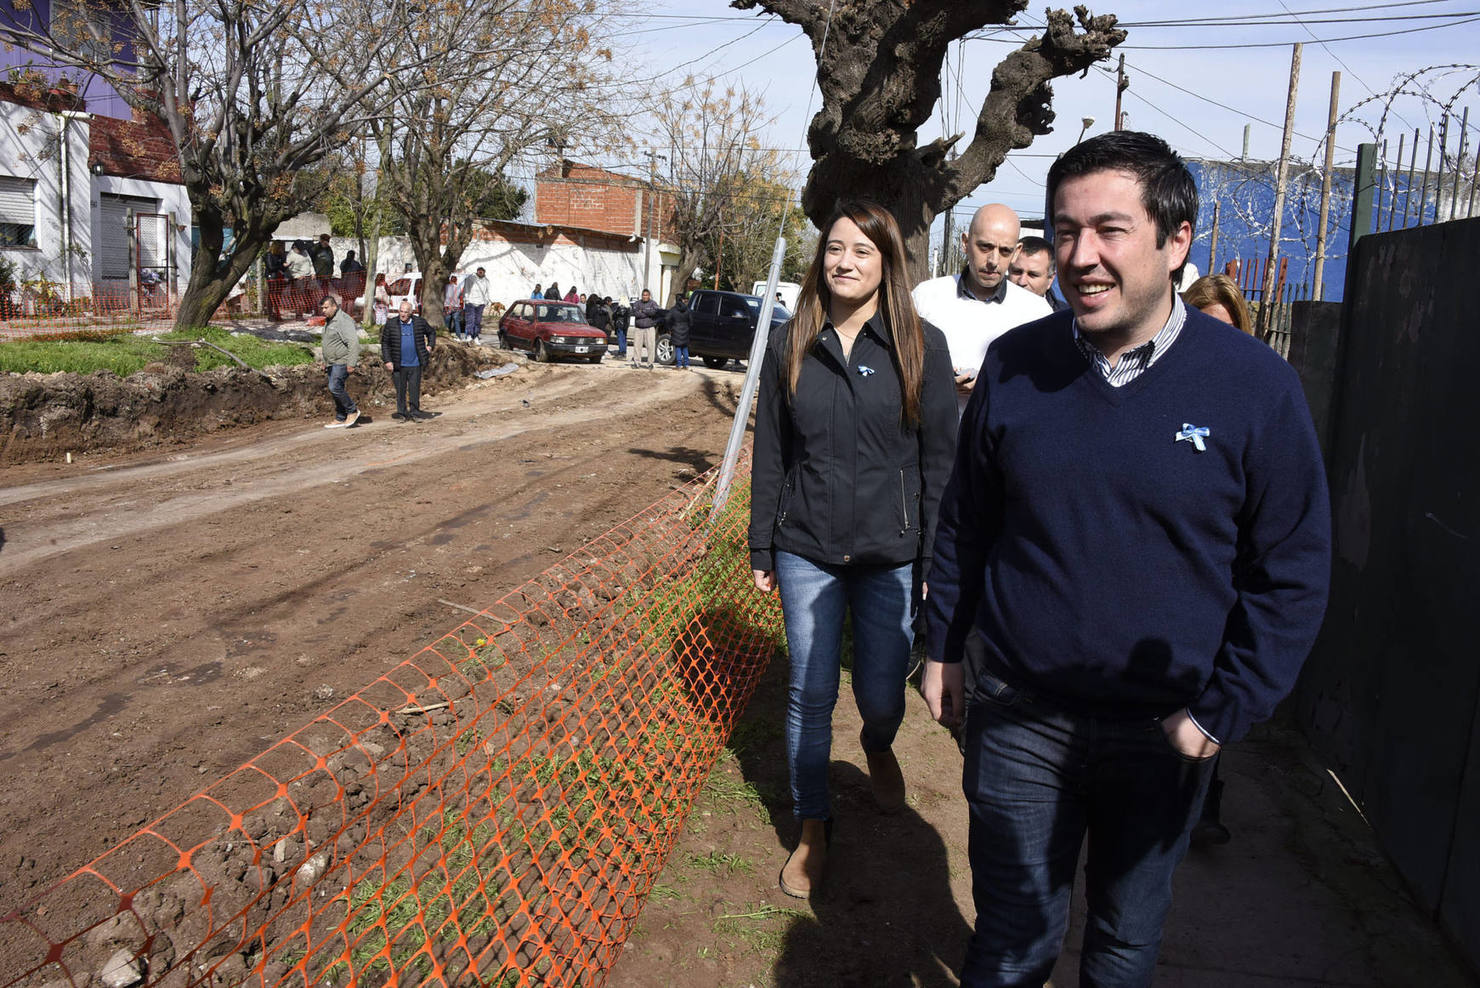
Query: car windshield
(559,313)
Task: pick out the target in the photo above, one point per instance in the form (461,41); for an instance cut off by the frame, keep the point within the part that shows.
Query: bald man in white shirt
(978,305)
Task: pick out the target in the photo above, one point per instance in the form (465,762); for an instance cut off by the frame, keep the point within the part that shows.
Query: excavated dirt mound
(45,416)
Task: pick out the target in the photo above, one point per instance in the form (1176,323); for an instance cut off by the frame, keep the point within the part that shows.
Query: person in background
(406,343)
(855,428)
(301,277)
(476,294)
(341,348)
(599,314)
(552,294)
(979,304)
(677,323)
(322,255)
(382,300)
(1032,268)
(1218,295)
(275,265)
(539,291)
(1134,553)
(351,276)
(645,313)
(571,295)
(452,307)
(621,316)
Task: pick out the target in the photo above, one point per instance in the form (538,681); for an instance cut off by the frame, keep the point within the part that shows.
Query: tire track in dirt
(253,586)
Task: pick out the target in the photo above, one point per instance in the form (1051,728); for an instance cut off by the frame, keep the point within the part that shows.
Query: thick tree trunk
(426,244)
(210,281)
(688,262)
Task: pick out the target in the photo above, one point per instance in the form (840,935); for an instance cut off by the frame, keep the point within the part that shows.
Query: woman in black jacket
(855,433)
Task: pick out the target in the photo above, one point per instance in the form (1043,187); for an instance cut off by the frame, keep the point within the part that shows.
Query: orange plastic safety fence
(110,307)
(492,811)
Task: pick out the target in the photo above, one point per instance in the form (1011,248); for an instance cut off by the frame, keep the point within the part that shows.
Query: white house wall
(171,198)
(30,149)
(515,267)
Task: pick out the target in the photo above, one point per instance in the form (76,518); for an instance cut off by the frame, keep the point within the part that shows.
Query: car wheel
(665,350)
(503,340)
(540,353)
(716,363)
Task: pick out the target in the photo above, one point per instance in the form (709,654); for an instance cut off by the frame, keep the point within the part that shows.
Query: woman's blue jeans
(814,599)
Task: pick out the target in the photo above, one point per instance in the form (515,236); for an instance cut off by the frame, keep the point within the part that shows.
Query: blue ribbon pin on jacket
(864,370)
(1196,434)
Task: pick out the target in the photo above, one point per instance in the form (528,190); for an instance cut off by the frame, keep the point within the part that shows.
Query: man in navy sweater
(1133,555)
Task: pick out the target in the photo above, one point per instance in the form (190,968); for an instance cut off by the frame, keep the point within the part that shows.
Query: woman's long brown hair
(815,303)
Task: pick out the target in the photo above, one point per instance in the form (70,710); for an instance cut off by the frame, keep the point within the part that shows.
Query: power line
(1294,19)
(1207,99)
(1286,44)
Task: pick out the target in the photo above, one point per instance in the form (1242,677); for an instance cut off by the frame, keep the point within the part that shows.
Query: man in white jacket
(978,305)
(477,293)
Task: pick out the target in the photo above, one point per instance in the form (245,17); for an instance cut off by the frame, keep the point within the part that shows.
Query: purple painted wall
(101,98)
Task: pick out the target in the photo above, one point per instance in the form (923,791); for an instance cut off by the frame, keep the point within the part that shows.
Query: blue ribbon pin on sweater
(1196,434)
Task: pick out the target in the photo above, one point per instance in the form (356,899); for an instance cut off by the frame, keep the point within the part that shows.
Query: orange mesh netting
(492,811)
(45,312)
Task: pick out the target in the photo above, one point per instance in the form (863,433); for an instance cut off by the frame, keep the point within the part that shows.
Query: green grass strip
(127,354)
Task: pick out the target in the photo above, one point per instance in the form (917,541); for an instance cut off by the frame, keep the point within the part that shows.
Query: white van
(789,291)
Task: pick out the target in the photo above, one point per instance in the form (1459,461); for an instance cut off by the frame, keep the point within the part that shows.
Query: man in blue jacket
(1133,554)
(406,343)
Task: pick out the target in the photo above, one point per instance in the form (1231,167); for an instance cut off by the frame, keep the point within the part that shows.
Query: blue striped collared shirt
(1133,363)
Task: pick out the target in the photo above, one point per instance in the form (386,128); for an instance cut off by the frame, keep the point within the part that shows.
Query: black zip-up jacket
(677,322)
(838,477)
(390,340)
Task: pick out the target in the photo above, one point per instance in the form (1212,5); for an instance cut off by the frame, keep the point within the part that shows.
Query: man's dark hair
(1167,189)
(1036,245)
(329,298)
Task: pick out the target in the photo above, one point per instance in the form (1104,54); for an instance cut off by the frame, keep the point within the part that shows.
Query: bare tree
(502,79)
(880,77)
(244,87)
(715,156)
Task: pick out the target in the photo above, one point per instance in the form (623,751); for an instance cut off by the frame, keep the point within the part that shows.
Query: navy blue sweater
(1114,569)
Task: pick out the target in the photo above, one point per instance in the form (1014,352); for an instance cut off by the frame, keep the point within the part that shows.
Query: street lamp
(1088,122)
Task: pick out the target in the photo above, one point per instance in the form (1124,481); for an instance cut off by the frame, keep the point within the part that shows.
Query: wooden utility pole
(1316,290)
(945,244)
(1282,175)
(1121,85)
(1213,241)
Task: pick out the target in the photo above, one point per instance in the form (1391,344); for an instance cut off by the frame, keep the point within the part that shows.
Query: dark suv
(722,326)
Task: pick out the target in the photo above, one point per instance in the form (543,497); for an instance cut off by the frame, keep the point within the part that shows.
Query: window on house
(17,212)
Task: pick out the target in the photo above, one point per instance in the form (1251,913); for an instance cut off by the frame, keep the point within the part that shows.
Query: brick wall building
(578,195)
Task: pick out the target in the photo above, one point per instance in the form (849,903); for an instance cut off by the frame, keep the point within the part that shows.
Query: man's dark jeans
(621,343)
(344,405)
(1037,779)
(472,320)
(408,389)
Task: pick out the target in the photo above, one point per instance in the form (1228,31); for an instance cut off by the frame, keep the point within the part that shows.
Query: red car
(550,330)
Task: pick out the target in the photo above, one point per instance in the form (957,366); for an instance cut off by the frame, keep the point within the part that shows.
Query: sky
(1178,76)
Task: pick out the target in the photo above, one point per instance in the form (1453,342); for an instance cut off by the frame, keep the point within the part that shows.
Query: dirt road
(170,616)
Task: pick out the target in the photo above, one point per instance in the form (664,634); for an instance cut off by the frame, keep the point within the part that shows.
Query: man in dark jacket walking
(406,342)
